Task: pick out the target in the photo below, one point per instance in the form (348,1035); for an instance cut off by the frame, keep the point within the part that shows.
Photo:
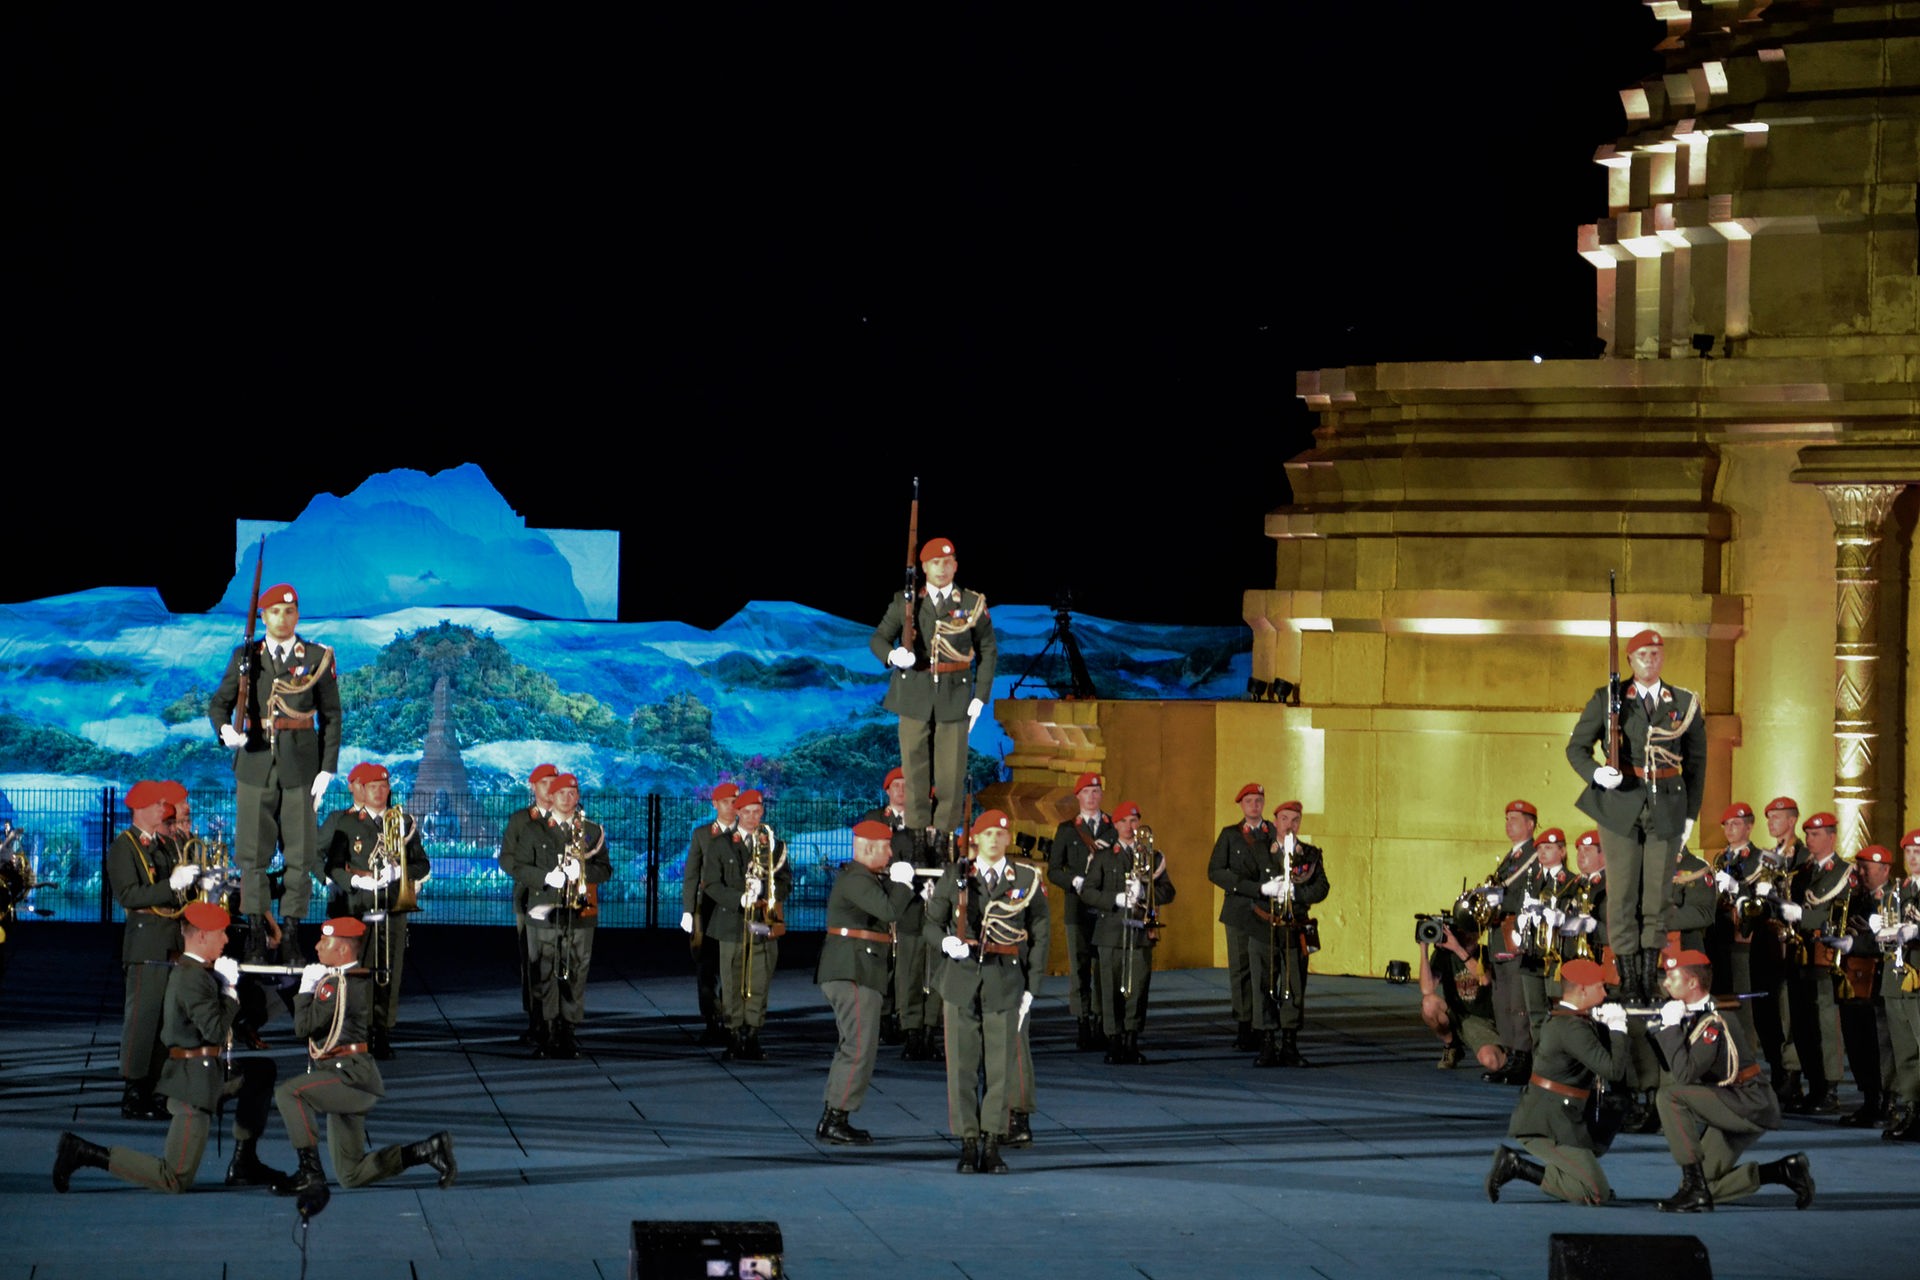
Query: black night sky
(726,282)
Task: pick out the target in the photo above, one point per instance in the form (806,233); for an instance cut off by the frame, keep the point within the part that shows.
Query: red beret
(1737,810)
(1086,780)
(1286,805)
(872,829)
(172,790)
(1642,639)
(893,775)
(1910,839)
(1583,972)
(1875,853)
(343,927)
(1127,809)
(565,782)
(1683,960)
(1820,822)
(207,916)
(935,549)
(1521,806)
(1588,840)
(279,593)
(725,791)
(540,772)
(145,793)
(750,796)
(991,820)
(1552,835)
(1782,802)
(366,771)
(1251,789)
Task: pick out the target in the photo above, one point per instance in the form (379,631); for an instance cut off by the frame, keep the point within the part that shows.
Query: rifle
(1613,675)
(913,565)
(249,656)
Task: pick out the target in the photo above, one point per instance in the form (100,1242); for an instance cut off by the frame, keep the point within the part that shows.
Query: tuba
(390,854)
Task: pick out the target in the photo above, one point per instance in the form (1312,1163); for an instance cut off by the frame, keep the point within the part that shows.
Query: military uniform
(1900,993)
(707,839)
(1814,1014)
(1550,889)
(907,973)
(1692,903)
(1549,1120)
(1510,878)
(1240,838)
(516,847)
(1276,941)
(1717,1104)
(1124,942)
(954,642)
(295,711)
(559,937)
(862,911)
(138,866)
(1863,1016)
(1076,842)
(348,840)
(748,956)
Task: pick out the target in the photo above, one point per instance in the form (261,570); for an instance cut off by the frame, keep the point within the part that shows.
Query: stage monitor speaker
(662,1250)
(1596,1257)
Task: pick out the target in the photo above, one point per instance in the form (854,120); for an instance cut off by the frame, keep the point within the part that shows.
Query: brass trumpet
(389,857)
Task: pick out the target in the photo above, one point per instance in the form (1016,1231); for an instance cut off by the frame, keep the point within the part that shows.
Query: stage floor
(1196,1165)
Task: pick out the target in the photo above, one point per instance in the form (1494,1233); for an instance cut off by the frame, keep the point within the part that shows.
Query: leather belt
(865,935)
(204,1051)
(340,1051)
(1746,1074)
(1658,775)
(1000,948)
(948,668)
(294,722)
(1564,1090)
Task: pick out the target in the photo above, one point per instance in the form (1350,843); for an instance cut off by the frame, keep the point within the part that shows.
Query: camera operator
(1456,997)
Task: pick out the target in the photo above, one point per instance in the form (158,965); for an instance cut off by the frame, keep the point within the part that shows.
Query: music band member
(1584,1038)
(379,883)
(1808,913)
(335,1011)
(1271,885)
(696,911)
(1075,844)
(202,1001)
(150,889)
(1646,807)
(1717,1104)
(1863,1019)
(869,899)
(990,923)
(282,764)
(1896,929)
(521,824)
(1251,829)
(749,881)
(1502,899)
(559,862)
(1125,885)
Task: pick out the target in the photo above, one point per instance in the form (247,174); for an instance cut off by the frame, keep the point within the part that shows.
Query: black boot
(308,1178)
(736,1044)
(1134,1057)
(563,1045)
(916,1045)
(1084,1040)
(1899,1122)
(245,1169)
(990,1161)
(1789,1092)
(750,1049)
(1868,1116)
(715,1033)
(135,1102)
(1693,1195)
(1269,1052)
(836,1127)
(290,952)
(541,1033)
(1290,1052)
(257,941)
(436,1151)
(1116,1054)
(1019,1130)
(1243,1037)
(1793,1172)
(75,1152)
(1824,1100)
(890,1032)
(1647,1119)
(1509,1164)
(969,1157)
(382,1043)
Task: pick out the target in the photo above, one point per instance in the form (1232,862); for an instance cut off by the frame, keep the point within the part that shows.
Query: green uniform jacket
(515,847)
(299,753)
(1075,844)
(1709,1048)
(1250,865)
(865,901)
(913,695)
(1676,801)
(539,851)
(313,1014)
(998,980)
(1571,1049)
(1693,904)
(347,842)
(1817,891)
(903,851)
(1107,878)
(137,870)
(706,837)
(197,1015)
(725,872)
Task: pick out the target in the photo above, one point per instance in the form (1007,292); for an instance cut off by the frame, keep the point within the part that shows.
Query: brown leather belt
(1564,1090)
(865,935)
(1658,775)
(1000,948)
(204,1051)
(1746,1074)
(294,722)
(948,668)
(340,1051)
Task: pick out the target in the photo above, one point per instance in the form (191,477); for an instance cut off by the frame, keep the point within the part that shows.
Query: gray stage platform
(1194,1166)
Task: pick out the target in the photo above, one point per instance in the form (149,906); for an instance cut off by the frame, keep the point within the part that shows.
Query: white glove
(1526,920)
(392,874)
(321,781)
(1026,1003)
(1571,929)
(208,882)
(557,879)
(1612,1016)
(1877,923)
(1725,883)
(1791,913)
(310,976)
(974,708)
(1907,932)
(926,890)
(1495,897)
(1672,1012)
(686,922)
(232,737)
(1529,903)
(1120,899)
(1764,889)
(1588,924)
(366,884)
(228,968)
(901,658)
(1843,945)
(954,947)
(570,867)
(1606,777)
(752,895)
(182,876)
(1078,881)
(1271,888)
(1554,917)
(1686,833)
(901,873)
(1136,894)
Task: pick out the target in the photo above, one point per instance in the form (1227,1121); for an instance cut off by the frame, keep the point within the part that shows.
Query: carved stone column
(1858,511)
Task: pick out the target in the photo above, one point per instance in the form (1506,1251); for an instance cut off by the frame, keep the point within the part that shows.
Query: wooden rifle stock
(1613,675)
(249,656)
(913,566)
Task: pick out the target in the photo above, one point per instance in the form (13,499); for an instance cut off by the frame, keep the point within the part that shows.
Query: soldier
(558,864)
(334,1010)
(749,882)
(935,687)
(868,900)
(1125,885)
(1730,939)
(150,889)
(1550,1120)
(1076,842)
(515,847)
(696,912)
(909,1014)
(1548,892)
(1456,996)
(1863,1019)
(1895,927)
(1813,900)
(282,764)
(1252,830)
(1646,808)
(201,1003)
(1716,1104)
(1693,904)
(1504,898)
(990,922)
(378,884)
(1273,886)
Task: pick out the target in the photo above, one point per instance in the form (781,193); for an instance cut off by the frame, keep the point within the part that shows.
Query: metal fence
(65,834)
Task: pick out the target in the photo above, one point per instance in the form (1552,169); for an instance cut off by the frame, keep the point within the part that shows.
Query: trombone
(387,864)
(1142,921)
(763,910)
